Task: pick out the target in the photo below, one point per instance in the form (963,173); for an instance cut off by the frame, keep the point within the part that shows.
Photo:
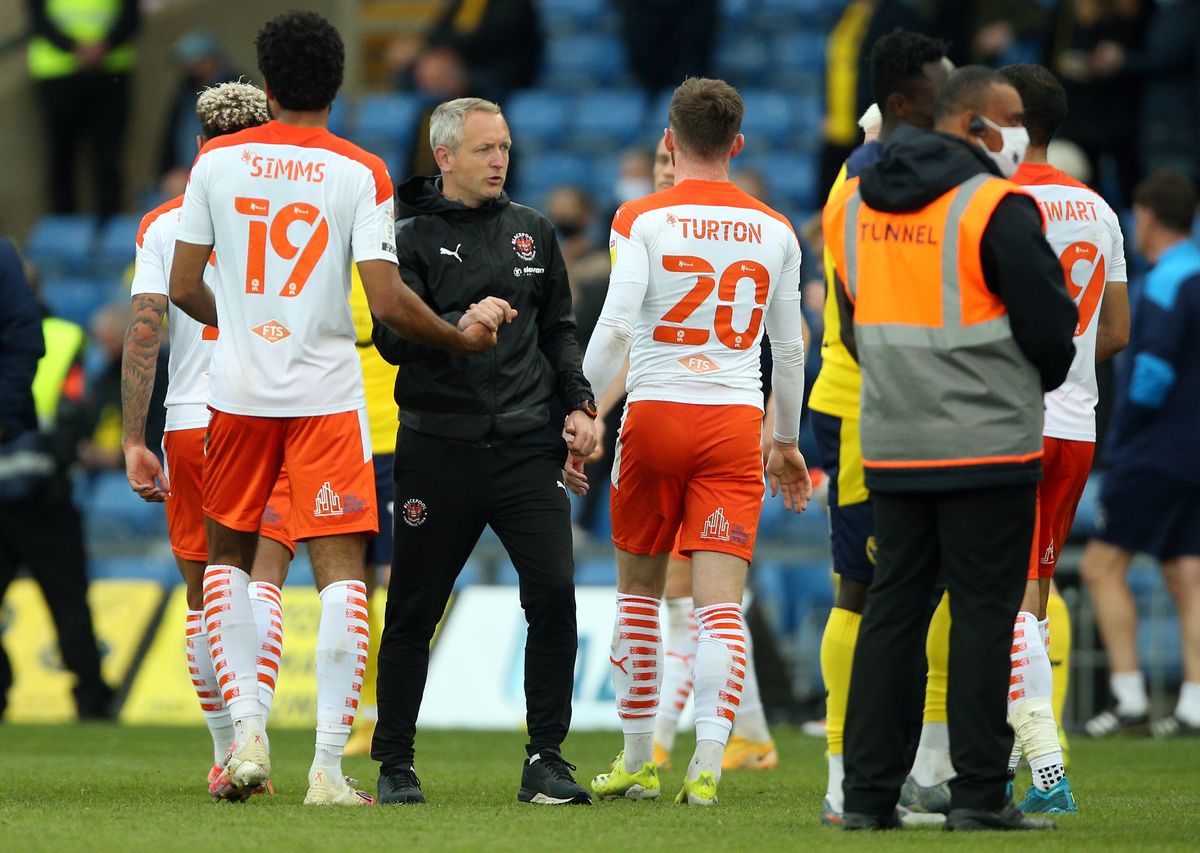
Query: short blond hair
(230,107)
(446,123)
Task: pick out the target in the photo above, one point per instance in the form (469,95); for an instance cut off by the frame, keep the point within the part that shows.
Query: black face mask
(569,230)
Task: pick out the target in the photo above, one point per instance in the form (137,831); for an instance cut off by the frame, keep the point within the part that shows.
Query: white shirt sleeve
(785,327)
(195,218)
(1116,263)
(613,335)
(373,237)
(150,275)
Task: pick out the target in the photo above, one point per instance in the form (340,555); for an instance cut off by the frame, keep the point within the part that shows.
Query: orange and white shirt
(699,271)
(1086,235)
(288,209)
(191,343)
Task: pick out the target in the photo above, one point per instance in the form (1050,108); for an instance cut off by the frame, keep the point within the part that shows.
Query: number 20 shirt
(712,261)
(288,209)
(1086,235)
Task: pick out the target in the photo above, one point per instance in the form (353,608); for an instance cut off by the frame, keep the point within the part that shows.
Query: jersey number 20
(677,333)
(263,226)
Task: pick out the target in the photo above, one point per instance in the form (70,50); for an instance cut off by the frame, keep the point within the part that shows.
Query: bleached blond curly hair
(230,107)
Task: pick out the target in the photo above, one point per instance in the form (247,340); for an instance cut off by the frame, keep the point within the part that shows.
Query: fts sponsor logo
(272,331)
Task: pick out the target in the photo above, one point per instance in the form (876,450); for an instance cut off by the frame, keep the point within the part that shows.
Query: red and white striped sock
(233,645)
(1030,704)
(636,659)
(341,660)
(682,636)
(267,604)
(720,672)
(204,681)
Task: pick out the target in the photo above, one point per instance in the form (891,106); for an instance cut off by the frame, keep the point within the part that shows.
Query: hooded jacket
(919,166)
(452,255)
(976,400)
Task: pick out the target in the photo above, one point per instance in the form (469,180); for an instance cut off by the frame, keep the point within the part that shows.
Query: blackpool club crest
(523,245)
(415,512)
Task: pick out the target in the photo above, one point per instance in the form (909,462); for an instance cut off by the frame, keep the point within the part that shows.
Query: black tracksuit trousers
(515,487)
(980,539)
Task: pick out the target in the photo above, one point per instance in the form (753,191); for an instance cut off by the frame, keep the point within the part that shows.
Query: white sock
(1014,758)
(833,788)
(204,680)
(720,672)
(341,660)
(682,636)
(751,719)
(1188,706)
(267,603)
(932,765)
(1129,688)
(1030,706)
(636,661)
(232,644)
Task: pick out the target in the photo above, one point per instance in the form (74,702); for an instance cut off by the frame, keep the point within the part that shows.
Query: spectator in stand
(481,48)
(1103,119)
(81,59)
(668,40)
(992,32)
(573,213)
(1150,502)
(848,78)
(201,63)
(1167,72)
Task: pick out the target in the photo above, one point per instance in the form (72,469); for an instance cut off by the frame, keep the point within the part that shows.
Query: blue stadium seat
(115,250)
(791,178)
(538,119)
(583,62)
(743,60)
(159,568)
(564,17)
(62,245)
(76,299)
(596,571)
(114,514)
(769,116)
(339,115)
(816,15)
(539,173)
(798,58)
(605,169)
(604,120)
(385,124)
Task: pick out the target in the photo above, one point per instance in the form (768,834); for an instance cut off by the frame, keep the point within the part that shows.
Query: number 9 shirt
(288,209)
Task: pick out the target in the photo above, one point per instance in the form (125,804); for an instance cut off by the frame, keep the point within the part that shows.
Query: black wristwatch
(588,407)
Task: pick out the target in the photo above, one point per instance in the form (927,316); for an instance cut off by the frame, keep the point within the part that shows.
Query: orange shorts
(183,460)
(1065,468)
(330,475)
(688,469)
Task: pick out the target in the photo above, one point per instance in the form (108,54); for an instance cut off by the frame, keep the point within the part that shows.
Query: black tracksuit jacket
(451,256)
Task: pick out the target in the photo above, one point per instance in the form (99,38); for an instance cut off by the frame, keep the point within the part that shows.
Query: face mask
(1014,142)
(568,230)
(627,189)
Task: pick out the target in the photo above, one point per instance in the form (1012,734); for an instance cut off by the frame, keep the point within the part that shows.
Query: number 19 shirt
(288,209)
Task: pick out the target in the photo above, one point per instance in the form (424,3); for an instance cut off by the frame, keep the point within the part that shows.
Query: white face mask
(1014,142)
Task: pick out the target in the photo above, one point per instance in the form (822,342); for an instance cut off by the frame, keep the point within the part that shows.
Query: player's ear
(669,141)
(739,142)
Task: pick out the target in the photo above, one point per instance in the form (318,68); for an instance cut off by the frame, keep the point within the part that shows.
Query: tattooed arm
(145,473)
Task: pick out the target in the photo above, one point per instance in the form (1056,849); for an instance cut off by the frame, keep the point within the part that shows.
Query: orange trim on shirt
(277,133)
(952,463)
(692,191)
(153,215)
(1043,174)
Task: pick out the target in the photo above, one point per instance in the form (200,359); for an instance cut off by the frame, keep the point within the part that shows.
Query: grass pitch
(105,787)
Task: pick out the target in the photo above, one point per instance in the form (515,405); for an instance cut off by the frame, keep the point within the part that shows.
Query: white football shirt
(1086,235)
(288,210)
(191,343)
(714,262)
